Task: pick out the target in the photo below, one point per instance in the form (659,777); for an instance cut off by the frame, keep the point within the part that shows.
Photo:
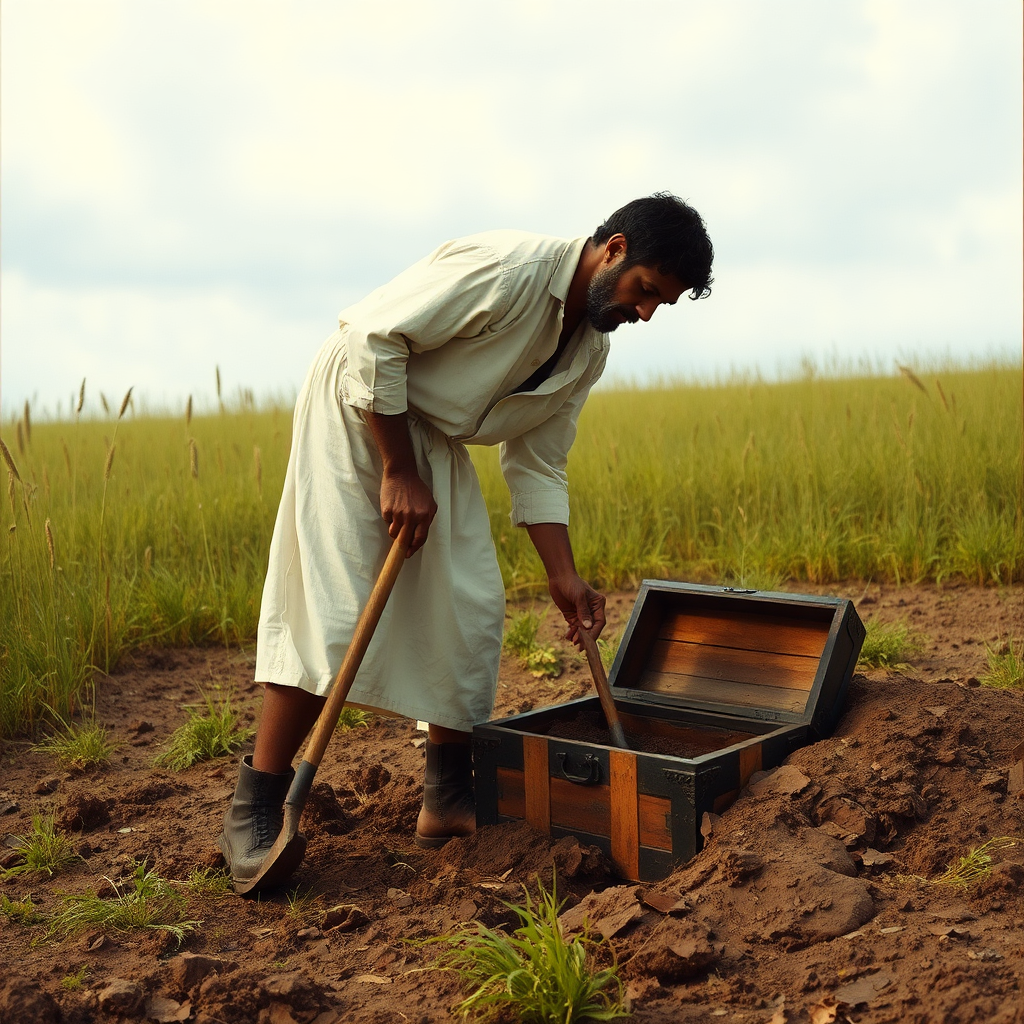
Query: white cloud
(237,172)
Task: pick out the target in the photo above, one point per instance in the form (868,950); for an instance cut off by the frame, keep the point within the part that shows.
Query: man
(495,338)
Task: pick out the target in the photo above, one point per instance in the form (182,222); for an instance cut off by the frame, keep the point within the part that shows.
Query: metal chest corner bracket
(698,787)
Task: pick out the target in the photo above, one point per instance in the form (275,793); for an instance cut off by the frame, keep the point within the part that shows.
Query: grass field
(125,531)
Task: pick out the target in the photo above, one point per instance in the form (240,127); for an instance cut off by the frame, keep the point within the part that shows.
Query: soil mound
(807,903)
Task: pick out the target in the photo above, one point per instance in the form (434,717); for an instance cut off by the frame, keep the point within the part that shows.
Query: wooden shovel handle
(611,713)
(356,650)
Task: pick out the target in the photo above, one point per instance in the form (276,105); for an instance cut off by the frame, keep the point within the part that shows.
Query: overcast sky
(196,184)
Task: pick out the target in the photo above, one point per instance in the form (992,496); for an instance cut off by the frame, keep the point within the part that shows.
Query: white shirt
(451,338)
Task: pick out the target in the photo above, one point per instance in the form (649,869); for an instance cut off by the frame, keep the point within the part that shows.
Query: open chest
(712,684)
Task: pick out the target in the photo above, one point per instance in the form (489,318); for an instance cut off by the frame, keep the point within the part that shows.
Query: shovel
(611,713)
(286,853)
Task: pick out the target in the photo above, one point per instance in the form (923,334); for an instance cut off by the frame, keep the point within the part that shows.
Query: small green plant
(889,644)
(45,849)
(79,746)
(207,884)
(353,718)
(143,901)
(963,872)
(73,982)
(19,911)
(207,734)
(521,640)
(304,905)
(1005,667)
(535,972)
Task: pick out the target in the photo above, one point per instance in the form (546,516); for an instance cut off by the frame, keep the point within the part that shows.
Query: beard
(603,314)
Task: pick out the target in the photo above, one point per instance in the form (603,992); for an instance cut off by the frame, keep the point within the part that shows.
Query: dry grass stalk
(217,371)
(109,464)
(106,404)
(9,459)
(124,402)
(28,425)
(912,377)
(81,398)
(67,457)
(147,558)
(49,540)
(11,494)
(193,458)
(258,462)
(942,394)
(19,434)
(188,411)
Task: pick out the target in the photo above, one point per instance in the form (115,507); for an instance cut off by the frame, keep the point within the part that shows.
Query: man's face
(618,295)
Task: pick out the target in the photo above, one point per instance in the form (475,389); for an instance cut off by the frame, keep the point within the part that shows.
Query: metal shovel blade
(290,846)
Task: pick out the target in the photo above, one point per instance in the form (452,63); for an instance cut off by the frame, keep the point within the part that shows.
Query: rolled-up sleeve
(533,463)
(455,292)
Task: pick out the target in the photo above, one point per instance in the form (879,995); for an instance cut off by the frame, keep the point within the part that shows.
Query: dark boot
(448,805)
(254,819)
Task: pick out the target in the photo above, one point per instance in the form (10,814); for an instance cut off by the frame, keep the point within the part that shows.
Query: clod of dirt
(21,1000)
(666,903)
(344,918)
(863,991)
(325,810)
(605,914)
(371,778)
(120,997)
(676,952)
(295,991)
(827,852)
(167,1011)
(152,792)
(738,865)
(190,969)
(873,859)
(46,786)
(785,781)
(82,812)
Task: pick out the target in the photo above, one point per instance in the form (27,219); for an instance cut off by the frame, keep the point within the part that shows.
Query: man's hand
(580,604)
(405,500)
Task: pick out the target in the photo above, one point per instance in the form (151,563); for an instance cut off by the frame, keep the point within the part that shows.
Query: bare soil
(799,907)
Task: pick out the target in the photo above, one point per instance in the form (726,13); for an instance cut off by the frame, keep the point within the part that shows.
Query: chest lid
(776,657)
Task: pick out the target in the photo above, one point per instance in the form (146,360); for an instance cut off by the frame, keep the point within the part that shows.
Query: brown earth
(798,908)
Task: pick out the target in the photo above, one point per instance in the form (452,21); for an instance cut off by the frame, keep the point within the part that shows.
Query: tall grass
(166,539)
(887,478)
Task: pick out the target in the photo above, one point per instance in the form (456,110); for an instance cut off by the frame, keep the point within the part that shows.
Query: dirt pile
(802,907)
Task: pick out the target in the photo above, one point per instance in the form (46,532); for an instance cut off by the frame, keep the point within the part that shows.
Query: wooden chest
(712,684)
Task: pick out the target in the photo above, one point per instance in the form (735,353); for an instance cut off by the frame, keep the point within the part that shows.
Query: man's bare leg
(288,715)
(439,734)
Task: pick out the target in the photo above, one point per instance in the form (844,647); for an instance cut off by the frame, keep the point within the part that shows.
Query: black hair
(665,233)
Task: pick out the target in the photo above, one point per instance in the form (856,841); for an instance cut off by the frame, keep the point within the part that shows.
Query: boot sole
(434,842)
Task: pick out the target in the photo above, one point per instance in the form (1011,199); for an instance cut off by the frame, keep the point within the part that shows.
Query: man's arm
(405,500)
(579,603)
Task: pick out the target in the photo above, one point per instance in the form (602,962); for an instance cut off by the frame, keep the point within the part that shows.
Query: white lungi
(440,633)
(435,653)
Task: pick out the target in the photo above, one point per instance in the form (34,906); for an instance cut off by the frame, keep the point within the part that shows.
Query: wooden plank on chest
(722,691)
(625,815)
(581,808)
(538,794)
(770,633)
(792,671)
